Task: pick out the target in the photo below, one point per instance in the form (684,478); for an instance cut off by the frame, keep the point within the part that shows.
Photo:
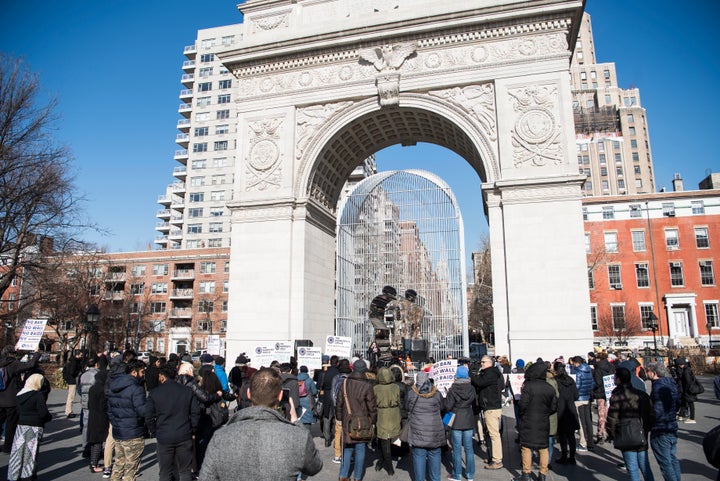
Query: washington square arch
(326,83)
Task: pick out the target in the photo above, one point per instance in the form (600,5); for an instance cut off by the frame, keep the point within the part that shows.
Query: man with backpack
(11,370)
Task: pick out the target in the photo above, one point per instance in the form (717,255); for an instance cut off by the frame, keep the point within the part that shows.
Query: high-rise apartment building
(613,144)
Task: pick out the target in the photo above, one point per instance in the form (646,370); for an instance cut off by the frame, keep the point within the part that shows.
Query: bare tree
(619,327)
(39,208)
(480,308)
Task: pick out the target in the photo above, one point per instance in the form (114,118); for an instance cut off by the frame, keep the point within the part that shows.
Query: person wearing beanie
(426,432)
(519,366)
(221,374)
(355,396)
(459,400)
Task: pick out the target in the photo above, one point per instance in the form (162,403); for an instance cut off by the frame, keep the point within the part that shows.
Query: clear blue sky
(115,67)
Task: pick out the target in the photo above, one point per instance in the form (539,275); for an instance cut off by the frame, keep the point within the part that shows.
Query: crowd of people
(359,404)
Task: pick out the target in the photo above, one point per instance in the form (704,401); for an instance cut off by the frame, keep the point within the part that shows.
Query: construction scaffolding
(402,229)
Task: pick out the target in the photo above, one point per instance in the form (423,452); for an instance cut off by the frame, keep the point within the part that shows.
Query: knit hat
(519,363)
(206,358)
(359,366)
(462,372)
(325,359)
(422,382)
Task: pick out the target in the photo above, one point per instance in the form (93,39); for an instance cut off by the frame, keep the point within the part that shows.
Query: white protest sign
(609,385)
(516,382)
(283,351)
(31,334)
(263,355)
(338,346)
(213,345)
(310,357)
(443,374)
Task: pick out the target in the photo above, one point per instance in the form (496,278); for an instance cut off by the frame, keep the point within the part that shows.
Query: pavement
(60,452)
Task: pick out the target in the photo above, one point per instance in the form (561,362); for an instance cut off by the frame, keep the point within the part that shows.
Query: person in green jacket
(387,395)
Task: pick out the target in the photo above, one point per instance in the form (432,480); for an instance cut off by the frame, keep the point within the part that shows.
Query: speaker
(419,350)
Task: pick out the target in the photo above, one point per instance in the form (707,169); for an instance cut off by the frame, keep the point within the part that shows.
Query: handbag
(360,426)
(449,419)
(219,413)
(695,387)
(405,431)
(630,435)
(318,408)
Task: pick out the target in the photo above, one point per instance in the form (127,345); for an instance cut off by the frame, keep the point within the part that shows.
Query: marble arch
(324,83)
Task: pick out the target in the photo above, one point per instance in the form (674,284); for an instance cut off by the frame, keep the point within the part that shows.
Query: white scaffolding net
(403,229)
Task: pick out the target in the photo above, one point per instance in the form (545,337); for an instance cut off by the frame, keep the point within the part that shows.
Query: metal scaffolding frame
(403,229)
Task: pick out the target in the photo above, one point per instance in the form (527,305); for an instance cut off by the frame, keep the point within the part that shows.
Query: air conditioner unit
(670,214)
(222,329)
(705,263)
(616,286)
(676,264)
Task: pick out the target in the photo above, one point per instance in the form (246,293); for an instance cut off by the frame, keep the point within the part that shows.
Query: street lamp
(709,326)
(652,319)
(92,315)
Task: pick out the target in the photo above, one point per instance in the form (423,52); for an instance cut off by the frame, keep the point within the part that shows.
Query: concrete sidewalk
(60,453)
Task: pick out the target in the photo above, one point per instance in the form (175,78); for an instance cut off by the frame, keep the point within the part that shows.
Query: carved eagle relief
(388,57)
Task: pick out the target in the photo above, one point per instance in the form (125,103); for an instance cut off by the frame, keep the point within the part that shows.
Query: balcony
(161,239)
(164,199)
(177,203)
(180,172)
(189,51)
(163,213)
(175,234)
(176,220)
(182,139)
(185,110)
(187,79)
(180,313)
(115,277)
(181,154)
(177,188)
(183,274)
(113,296)
(181,294)
(189,65)
(162,226)
(186,94)
(183,124)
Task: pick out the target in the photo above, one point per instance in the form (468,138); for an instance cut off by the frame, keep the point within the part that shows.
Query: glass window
(207,57)
(631,130)
(216,227)
(217,195)
(603,171)
(614,277)
(591,278)
(707,276)
(203,101)
(216,211)
(668,209)
(602,158)
(197,181)
(630,118)
(157,307)
(199,164)
(138,271)
(222,129)
(645,311)
(205,72)
(159,288)
(676,274)
(641,274)
(221,145)
(223,99)
(587,242)
(195,212)
(196,197)
(618,158)
(160,269)
(698,207)
(608,211)
(711,314)
(636,158)
(207,287)
(214,242)
(611,241)
(194,229)
(635,210)
(225,84)
(638,240)
(633,143)
(204,86)
(201,131)
(207,267)
(200,147)
(593,318)
(702,240)
(223,114)
(618,316)
(672,241)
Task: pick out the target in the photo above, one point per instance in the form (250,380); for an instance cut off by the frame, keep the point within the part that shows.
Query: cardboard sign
(443,374)
(310,357)
(31,334)
(338,346)
(609,385)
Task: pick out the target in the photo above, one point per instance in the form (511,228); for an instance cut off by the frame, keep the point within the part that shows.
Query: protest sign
(213,345)
(609,385)
(338,346)
(31,334)
(516,382)
(283,351)
(443,374)
(310,357)
(263,355)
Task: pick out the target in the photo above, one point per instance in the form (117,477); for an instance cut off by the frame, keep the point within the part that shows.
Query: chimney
(677,183)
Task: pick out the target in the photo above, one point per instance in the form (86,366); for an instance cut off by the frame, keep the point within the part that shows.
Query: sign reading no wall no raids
(338,346)
(609,385)
(31,334)
(310,357)
(443,374)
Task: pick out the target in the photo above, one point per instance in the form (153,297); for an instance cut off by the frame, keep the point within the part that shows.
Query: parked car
(195,355)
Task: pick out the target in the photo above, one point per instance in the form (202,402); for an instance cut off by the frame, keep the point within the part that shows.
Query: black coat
(567,414)
(324,385)
(72,370)
(686,378)
(13,369)
(460,399)
(602,368)
(628,402)
(173,413)
(489,384)
(98,421)
(32,410)
(537,403)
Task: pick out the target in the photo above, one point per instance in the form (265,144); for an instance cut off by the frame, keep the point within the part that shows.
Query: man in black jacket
(489,383)
(172,415)
(8,398)
(71,371)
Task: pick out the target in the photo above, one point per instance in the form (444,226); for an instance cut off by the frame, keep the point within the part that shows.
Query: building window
(711,314)
(621,184)
(635,210)
(201,131)
(207,268)
(223,114)
(214,242)
(619,170)
(638,240)
(200,147)
(593,318)
(206,306)
(633,144)
(601,146)
(585,213)
(698,207)
(605,185)
(611,241)
(217,179)
(636,169)
(618,158)
(226,286)
(228,40)
(671,239)
(157,307)
(222,129)
(636,158)
(160,269)
(197,181)
(224,306)
(221,145)
(204,86)
(138,271)
(588,185)
(227,267)
(220,162)
(207,57)
(676,274)
(225,84)
(216,227)
(194,229)
(207,287)
(196,197)
(616,144)
(205,72)
(591,278)
(641,274)
(195,212)
(603,171)
(638,183)
(223,99)
(630,118)
(631,130)
(608,212)
(707,277)
(199,164)
(618,316)
(587,242)
(602,158)
(217,195)
(702,240)
(645,311)
(668,209)
(159,288)
(203,101)
(216,211)
(614,277)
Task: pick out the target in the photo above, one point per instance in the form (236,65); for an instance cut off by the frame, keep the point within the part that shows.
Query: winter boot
(524,477)
(541,477)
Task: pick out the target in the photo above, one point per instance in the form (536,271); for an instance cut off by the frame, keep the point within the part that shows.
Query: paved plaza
(60,454)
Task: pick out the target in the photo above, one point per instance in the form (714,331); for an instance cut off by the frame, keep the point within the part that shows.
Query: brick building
(654,253)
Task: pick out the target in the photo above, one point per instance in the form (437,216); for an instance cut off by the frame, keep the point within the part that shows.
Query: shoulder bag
(630,435)
(360,426)
(695,387)
(405,432)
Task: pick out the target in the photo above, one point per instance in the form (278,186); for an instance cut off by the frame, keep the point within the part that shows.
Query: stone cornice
(548,189)
(283,209)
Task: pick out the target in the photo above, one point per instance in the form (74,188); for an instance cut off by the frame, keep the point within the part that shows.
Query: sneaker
(581,449)
(337,460)
(450,478)
(107,473)
(494,466)
(690,421)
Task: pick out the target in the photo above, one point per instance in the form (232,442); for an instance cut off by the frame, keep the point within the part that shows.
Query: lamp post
(709,326)
(652,318)
(92,316)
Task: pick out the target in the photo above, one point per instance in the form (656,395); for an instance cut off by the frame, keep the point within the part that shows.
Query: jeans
(348,449)
(585,418)
(462,440)
(664,445)
(638,462)
(551,441)
(426,460)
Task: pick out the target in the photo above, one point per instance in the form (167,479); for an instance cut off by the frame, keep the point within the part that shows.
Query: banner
(443,374)
(338,346)
(31,334)
(310,357)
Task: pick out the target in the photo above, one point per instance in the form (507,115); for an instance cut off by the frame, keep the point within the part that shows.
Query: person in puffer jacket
(426,431)
(663,435)
(459,400)
(585,385)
